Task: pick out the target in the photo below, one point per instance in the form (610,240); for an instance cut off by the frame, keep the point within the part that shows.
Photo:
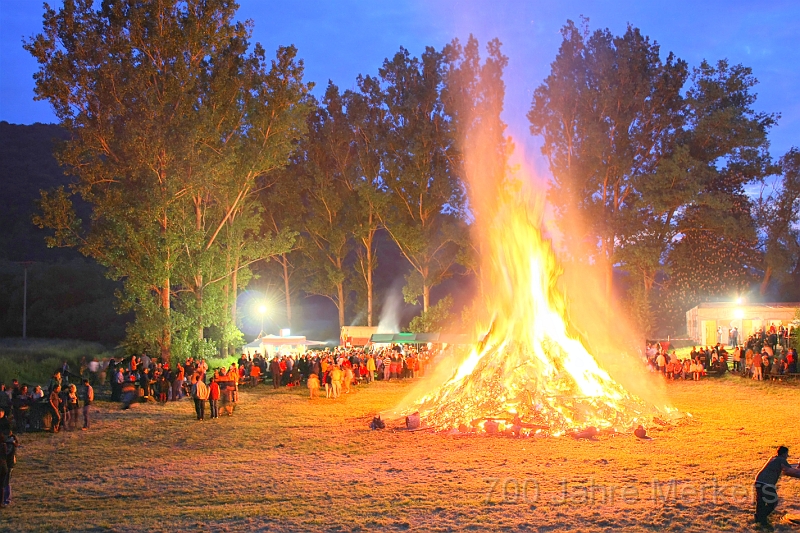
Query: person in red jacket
(213,397)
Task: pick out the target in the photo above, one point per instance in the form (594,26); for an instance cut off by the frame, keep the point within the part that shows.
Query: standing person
(387,367)
(326,380)
(72,406)
(55,399)
(661,362)
(144,381)
(117,379)
(766,484)
(177,383)
(313,385)
(164,387)
(336,381)
(370,368)
(55,380)
(9,447)
(233,374)
(88,399)
(199,395)
(213,397)
(347,379)
(275,369)
(757,366)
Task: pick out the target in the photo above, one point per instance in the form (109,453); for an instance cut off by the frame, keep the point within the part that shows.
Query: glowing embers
(528,375)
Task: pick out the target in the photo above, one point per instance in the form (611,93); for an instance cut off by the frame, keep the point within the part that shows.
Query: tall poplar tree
(163,104)
(423,170)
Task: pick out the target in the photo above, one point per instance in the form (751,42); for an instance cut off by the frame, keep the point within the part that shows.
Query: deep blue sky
(340,39)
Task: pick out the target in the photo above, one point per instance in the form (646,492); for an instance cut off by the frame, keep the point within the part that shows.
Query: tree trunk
(762,289)
(166,333)
(226,302)
(340,296)
(369,289)
(234,290)
(198,280)
(370,268)
(426,297)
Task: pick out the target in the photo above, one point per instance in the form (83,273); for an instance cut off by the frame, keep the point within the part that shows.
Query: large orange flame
(529,374)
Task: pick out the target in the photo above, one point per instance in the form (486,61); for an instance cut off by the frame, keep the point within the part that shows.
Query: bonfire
(530,374)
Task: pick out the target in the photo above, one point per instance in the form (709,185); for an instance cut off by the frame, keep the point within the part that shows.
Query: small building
(709,323)
(269,345)
(351,336)
(420,338)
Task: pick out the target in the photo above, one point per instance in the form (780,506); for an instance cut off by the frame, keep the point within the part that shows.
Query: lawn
(287,463)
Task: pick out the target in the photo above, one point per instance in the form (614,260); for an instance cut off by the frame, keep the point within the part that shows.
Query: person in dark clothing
(766,484)
(8,445)
(144,381)
(275,369)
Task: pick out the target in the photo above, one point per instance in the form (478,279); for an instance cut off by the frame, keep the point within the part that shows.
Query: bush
(33,361)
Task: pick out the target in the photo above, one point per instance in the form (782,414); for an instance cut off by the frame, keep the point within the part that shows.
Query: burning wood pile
(529,375)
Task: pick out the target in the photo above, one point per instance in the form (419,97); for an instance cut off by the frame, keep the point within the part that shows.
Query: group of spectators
(64,403)
(700,363)
(334,371)
(755,360)
(22,408)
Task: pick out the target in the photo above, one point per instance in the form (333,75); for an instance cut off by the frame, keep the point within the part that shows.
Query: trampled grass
(287,463)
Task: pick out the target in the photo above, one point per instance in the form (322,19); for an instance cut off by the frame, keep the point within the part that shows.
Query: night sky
(339,40)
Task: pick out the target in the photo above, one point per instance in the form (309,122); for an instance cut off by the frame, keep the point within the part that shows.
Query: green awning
(419,338)
(381,338)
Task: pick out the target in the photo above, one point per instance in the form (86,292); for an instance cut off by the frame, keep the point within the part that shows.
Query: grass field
(33,361)
(287,463)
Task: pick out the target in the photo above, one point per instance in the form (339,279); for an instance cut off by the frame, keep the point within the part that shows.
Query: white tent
(269,345)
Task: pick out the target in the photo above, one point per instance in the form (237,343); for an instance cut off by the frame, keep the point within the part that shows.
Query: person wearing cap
(766,484)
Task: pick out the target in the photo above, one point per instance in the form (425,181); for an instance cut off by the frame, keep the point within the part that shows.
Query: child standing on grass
(163,389)
(326,379)
(313,385)
(72,406)
(213,397)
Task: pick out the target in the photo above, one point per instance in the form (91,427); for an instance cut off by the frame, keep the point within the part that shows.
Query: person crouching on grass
(766,481)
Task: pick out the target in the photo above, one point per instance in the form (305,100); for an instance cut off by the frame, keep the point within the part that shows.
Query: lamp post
(262,310)
(25,265)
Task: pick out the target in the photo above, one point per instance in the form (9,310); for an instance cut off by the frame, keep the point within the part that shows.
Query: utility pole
(25,265)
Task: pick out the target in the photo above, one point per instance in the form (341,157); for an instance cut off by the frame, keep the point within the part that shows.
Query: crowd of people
(64,404)
(755,359)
